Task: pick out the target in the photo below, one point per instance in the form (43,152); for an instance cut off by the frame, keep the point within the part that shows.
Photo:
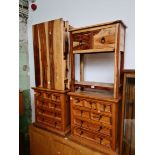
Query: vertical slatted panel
(66,54)
(51,53)
(58,54)
(41,77)
(36,55)
(48,60)
(43,49)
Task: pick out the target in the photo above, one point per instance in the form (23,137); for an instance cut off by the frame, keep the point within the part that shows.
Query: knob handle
(102,40)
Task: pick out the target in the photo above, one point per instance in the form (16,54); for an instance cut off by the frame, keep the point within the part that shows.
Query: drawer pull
(81,132)
(102,40)
(80,42)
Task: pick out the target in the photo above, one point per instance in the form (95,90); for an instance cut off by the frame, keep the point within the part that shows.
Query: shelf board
(95,85)
(91,51)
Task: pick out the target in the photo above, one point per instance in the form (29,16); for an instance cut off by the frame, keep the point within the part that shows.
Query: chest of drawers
(52,110)
(94,121)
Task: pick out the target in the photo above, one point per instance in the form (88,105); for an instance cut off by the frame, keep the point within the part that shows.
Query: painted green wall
(24,83)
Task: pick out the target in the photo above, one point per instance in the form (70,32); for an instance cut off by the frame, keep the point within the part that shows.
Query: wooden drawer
(100,38)
(92,127)
(95,137)
(48,95)
(51,114)
(49,121)
(47,103)
(99,106)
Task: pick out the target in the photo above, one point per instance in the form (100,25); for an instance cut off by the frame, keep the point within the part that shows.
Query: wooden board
(46,143)
(51,54)
(97,25)
(105,50)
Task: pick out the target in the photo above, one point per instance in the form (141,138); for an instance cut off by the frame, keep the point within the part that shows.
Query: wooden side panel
(47,57)
(43,50)
(122,38)
(66,55)
(117,62)
(36,55)
(51,53)
(58,54)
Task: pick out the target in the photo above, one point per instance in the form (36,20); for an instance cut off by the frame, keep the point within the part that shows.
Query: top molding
(97,25)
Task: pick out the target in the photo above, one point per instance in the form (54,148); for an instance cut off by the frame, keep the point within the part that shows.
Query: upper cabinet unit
(98,38)
(95,39)
(51,54)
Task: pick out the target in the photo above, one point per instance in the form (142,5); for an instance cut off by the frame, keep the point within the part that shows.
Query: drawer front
(96,39)
(50,114)
(99,106)
(50,122)
(47,103)
(48,95)
(100,139)
(92,127)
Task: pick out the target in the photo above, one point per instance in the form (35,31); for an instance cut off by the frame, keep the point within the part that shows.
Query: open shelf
(91,51)
(94,85)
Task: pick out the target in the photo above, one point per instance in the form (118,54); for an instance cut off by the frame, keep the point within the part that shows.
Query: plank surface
(89,51)
(36,55)
(98,25)
(51,53)
(58,54)
(95,84)
(43,49)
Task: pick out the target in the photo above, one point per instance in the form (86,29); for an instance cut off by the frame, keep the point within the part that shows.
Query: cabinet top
(97,25)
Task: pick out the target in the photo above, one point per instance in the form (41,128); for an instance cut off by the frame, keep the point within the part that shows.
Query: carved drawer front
(85,134)
(42,102)
(103,107)
(48,95)
(105,141)
(50,114)
(95,39)
(92,127)
(55,105)
(107,108)
(105,119)
(85,114)
(47,121)
(77,112)
(101,139)
(105,130)
(77,101)
(96,117)
(87,104)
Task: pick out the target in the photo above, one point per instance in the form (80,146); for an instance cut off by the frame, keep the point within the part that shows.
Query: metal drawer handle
(102,40)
